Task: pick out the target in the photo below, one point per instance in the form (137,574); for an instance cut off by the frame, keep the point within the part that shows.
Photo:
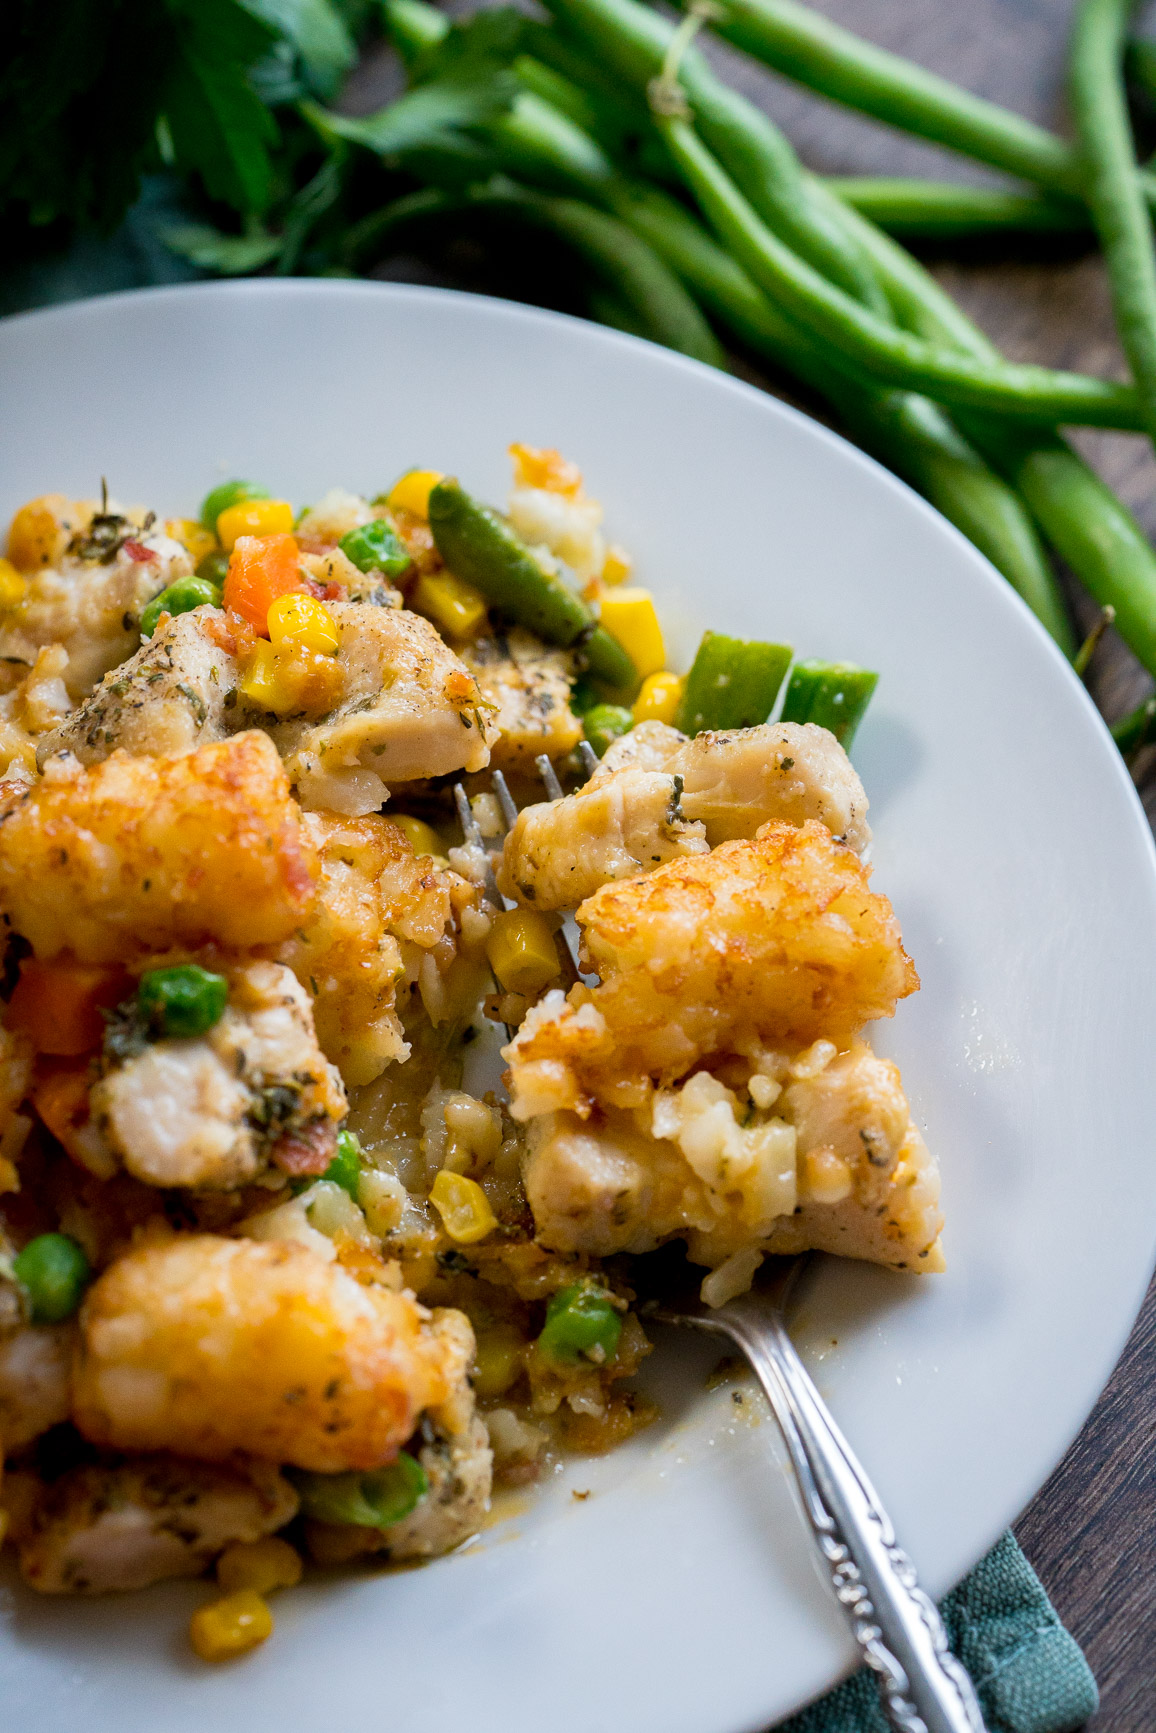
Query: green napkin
(1030,1674)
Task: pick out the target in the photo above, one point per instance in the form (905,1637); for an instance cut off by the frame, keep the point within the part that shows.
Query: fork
(922,1687)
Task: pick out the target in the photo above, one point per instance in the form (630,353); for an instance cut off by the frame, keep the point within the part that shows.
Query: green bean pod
(833,695)
(479,546)
(944,211)
(634,40)
(733,683)
(1100,111)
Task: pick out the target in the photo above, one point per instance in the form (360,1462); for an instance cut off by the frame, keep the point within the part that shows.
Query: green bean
(1036,394)
(941,210)
(413,28)
(376,1499)
(1112,190)
(805,46)
(479,546)
(53,1270)
(834,695)
(635,41)
(910,433)
(1137,729)
(733,683)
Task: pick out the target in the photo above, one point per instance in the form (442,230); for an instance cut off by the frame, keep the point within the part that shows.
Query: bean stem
(1117,204)
(897,357)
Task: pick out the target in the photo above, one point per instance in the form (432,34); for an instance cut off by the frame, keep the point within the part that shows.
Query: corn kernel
(259,680)
(498,1362)
(659,699)
(453,605)
(463,1206)
(12,586)
(196,540)
(254,517)
(617,566)
(628,615)
(521,952)
(259,1565)
(296,619)
(422,837)
(37,534)
(230,1626)
(412,492)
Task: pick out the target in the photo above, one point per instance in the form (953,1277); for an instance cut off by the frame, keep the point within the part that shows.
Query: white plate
(681,1597)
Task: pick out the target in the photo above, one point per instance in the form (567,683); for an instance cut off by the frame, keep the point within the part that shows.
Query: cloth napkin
(1030,1674)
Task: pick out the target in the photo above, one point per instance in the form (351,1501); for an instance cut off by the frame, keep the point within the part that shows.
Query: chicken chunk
(136,854)
(529,685)
(781,772)
(100,1529)
(91,598)
(558,853)
(206,1346)
(175,694)
(35,1363)
(455,1453)
(410,707)
(33,709)
(372,894)
(773,941)
(830,1156)
(211,1112)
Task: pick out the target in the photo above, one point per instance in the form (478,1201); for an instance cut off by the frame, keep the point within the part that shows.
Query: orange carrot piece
(261,568)
(58,1004)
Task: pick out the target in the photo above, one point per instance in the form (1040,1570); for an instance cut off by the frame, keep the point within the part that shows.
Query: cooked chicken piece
(334,567)
(831,1161)
(206,1346)
(335,514)
(175,694)
(91,598)
(346,953)
(35,1393)
(548,508)
(458,1462)
(718,787)
(38,704)
(211,1112)
(776,941)
(558,853)
(530,686)
(101,1529)
(411,708)
(136,854)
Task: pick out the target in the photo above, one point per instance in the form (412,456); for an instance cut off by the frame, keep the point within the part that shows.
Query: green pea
(182,1002)
(376,547)
(54,1272)
(219,499)
(180,598)
(580,1320)
(604,723)
(345,1168)
(374,1500)
(214,567)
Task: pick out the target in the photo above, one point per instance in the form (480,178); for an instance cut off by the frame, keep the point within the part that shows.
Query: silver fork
(923,1688)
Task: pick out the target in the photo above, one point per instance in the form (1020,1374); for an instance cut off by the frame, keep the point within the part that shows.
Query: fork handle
(923,1688)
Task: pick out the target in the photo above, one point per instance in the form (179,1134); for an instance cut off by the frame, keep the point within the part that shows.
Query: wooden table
(1091,1531)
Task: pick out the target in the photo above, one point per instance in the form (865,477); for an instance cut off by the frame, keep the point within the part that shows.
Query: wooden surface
(1091,1531)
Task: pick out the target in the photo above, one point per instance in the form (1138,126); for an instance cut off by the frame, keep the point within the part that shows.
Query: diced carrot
(60,1097)
(261,568)
(58,1004)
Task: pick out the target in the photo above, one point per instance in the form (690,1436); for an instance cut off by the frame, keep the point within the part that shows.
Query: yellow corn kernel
(230,1626)
(412,492)
(259,1565)
(260,681)
(196,540)
(521,952)
(254,517)
(498,1362)
(422,837)
(617,566)
(303,620)
(463,1206)
(628,615)
(12,586)
(38,532)
(659,699)
(453,605)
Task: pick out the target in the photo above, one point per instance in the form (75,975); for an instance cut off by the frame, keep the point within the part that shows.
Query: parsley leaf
(220,127)
(318,34)
(430,114)
(208,248)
